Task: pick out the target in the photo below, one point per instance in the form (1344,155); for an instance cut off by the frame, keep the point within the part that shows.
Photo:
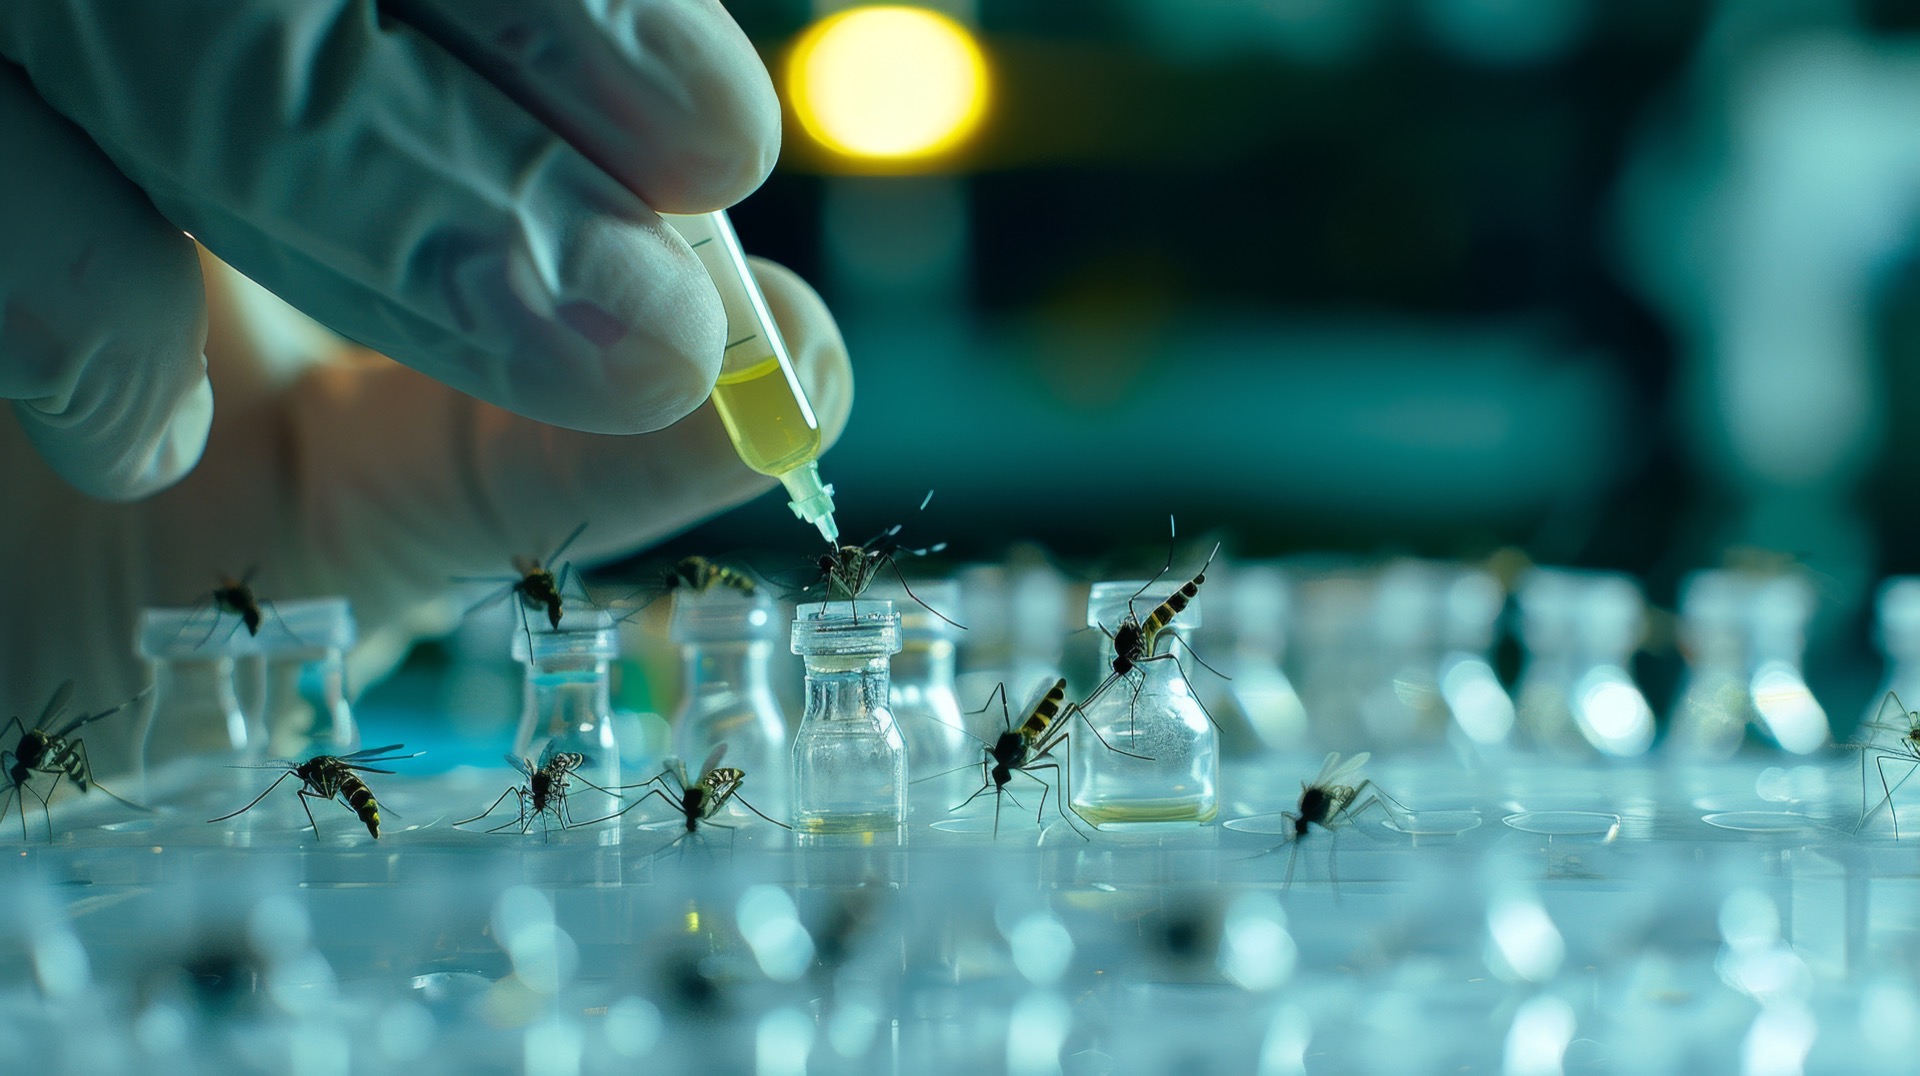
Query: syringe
(758,396)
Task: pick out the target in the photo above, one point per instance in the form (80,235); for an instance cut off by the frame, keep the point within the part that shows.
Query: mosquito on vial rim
(848,570)
(538,586)
(1136,641)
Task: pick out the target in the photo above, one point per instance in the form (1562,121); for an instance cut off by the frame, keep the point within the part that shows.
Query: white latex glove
(470,191)
(501,241)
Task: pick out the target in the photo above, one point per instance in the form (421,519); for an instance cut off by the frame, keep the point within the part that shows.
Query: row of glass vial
(864,729)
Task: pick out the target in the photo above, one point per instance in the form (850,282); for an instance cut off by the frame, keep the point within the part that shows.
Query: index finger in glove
(102,319)
(405,483)
(357,169)
(666,95)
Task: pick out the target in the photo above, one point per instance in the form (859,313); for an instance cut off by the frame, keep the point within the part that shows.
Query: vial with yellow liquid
(758,394)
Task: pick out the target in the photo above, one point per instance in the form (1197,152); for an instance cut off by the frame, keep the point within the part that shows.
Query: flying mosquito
(1136,641)
(849,570)
(56,752)
(331,777)
(544,793)
(1905,750)
(236,598)
(695,575)
(1024,749)
(1330,801)
(697,801)
(540,585)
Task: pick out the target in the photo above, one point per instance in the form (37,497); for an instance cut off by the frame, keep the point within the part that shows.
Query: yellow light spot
(693,920)
(888,83)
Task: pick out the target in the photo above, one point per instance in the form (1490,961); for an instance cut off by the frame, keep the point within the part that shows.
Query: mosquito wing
(713,759)
(1903,720)
(1334,773)
(61,696)
(86,719)
(359,759)
(520,765)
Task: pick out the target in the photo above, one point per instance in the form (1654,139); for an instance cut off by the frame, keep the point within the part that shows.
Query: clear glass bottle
(726,639)
(1897,630)
(922,692)
(568,702)
(1577,692)
(195,716)
(306,710)
(1176,776)
(1712,711)
(849,761)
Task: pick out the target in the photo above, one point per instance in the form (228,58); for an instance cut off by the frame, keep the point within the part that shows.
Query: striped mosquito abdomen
(1164,613)
(360,798)
(1044,711)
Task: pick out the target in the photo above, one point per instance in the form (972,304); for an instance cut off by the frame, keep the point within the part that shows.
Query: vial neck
(569,701)
(846,685)
(712,668)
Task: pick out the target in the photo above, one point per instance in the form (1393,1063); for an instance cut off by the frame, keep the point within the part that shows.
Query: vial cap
(723,615)
(203,633)
(1108,602)
(861,626)
(583,633)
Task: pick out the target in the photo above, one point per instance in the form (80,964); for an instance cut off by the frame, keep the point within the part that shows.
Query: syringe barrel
(758,395)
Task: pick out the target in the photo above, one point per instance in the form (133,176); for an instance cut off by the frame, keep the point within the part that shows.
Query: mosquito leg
(489,809)
(250,805)
(306,795)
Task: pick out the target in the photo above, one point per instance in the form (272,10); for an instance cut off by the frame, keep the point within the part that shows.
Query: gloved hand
(470,191)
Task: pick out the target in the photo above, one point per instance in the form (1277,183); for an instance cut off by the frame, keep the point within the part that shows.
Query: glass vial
(195,713)
(923,696)
(568,703)
(306,709)
(726,640)
(849,761)
(1175,777)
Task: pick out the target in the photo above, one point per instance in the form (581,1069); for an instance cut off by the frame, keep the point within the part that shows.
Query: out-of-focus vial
(1711,713)
(1777,618)
(567,702)
(1897,630)
(849,761)
(922,694)
(726,640)
(1258,706)
(1581,629)
(306,706)
(1170,771)
(195,712)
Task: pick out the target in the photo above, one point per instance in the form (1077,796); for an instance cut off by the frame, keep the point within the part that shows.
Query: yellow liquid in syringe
(770,429)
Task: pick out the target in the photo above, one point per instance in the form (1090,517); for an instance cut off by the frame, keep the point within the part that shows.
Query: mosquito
(1332,800)
(331,777)
(696,575)
(57,752)
(236,598)
(539,586)
(849,570)
(544,793)
(1136,641)
(1024,749)
(698,800)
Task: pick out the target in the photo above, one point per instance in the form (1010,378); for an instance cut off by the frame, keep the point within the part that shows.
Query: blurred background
(1607,284)
(1619,284)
